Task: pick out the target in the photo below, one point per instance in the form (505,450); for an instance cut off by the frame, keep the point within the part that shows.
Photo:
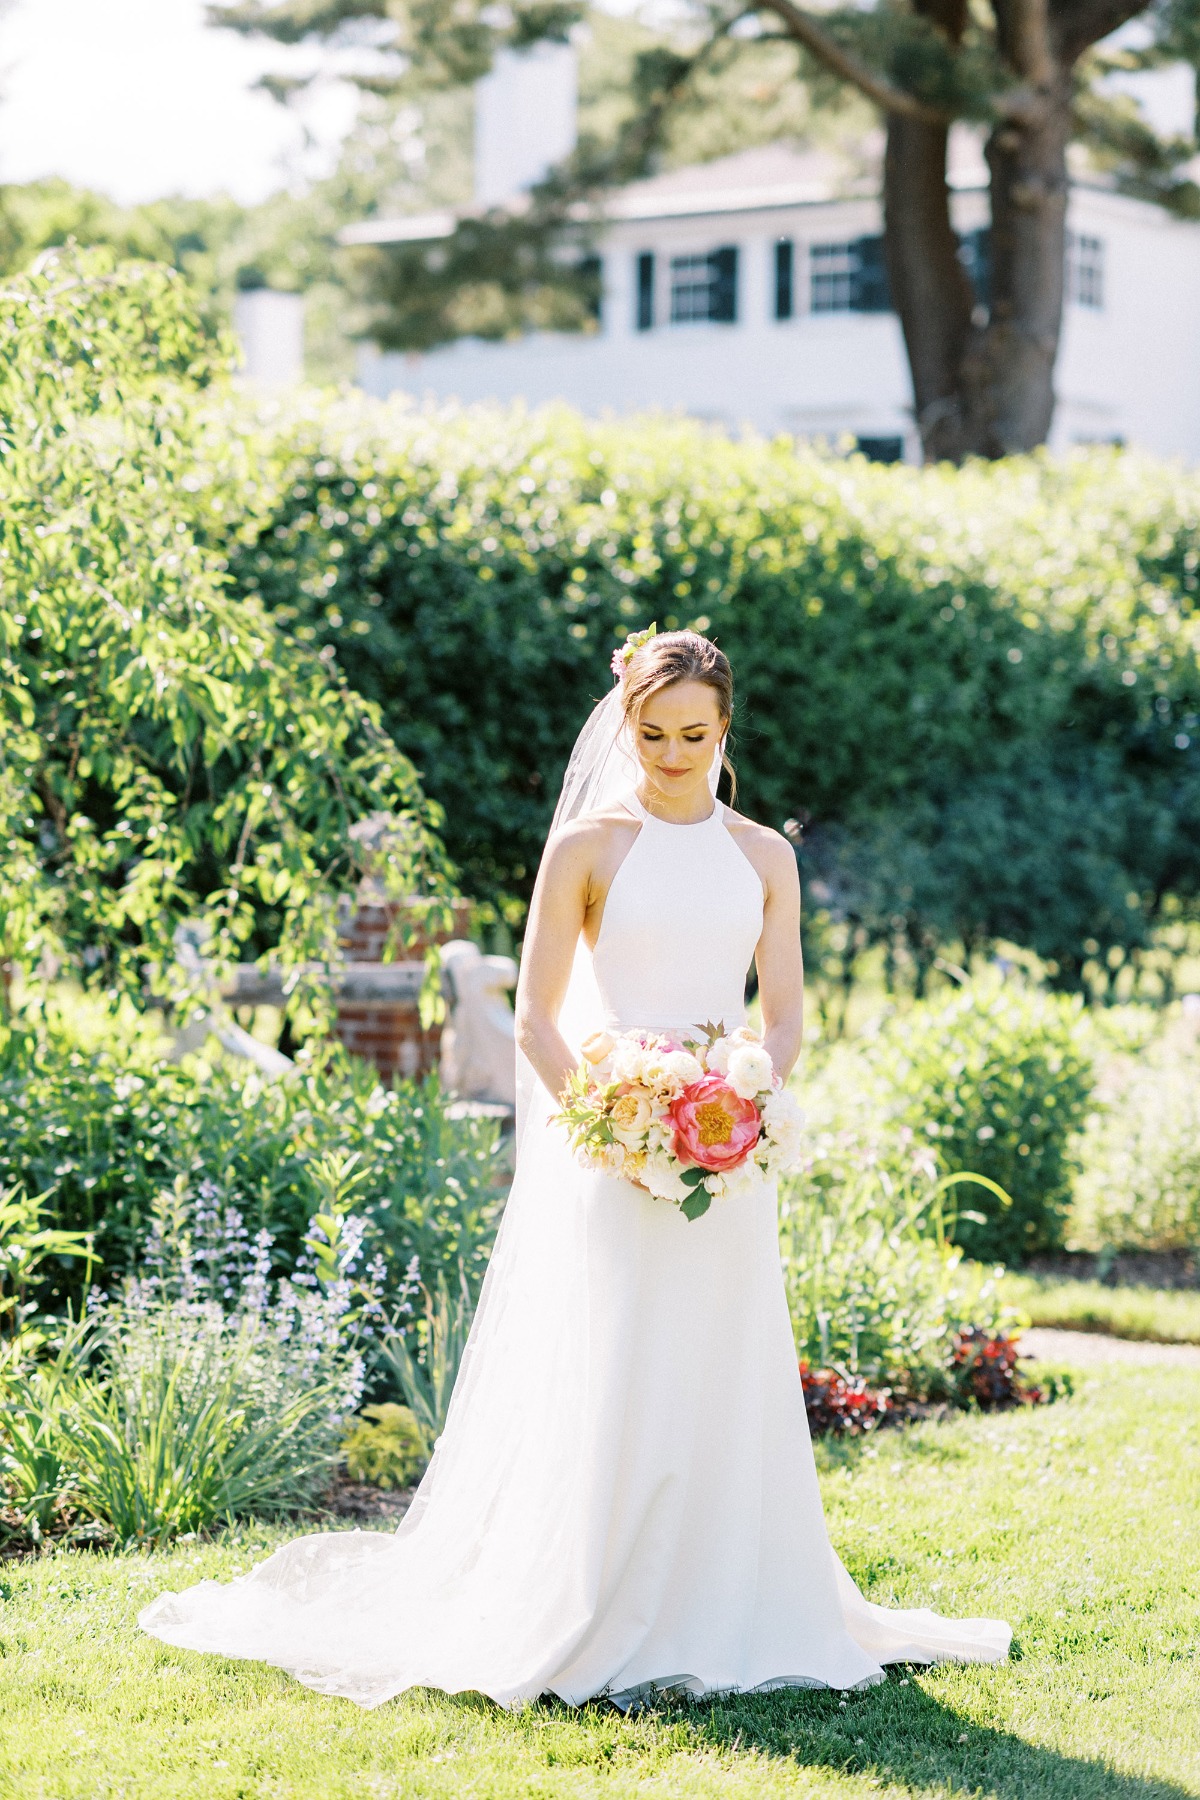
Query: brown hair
(672,657)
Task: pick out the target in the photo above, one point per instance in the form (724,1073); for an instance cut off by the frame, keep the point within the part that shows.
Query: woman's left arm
(778,957)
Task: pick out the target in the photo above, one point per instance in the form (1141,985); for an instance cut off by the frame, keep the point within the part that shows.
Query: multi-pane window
(691,289)
(1085,270)
(849,277)
(831,267)
(704,287)
(785,275)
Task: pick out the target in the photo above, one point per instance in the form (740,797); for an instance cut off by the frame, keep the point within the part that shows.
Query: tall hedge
(980,688)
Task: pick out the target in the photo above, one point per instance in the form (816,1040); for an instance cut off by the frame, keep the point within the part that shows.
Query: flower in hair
(622,658)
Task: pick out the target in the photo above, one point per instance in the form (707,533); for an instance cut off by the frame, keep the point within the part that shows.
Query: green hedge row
(981,688)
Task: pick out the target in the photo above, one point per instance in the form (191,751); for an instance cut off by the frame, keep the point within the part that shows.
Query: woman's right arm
(556,915)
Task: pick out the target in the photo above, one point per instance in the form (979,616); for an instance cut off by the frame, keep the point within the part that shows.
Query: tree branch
(1076,25)
(802,28)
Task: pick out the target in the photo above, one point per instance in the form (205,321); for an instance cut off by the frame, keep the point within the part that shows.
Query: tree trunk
(931,290)
(984,388)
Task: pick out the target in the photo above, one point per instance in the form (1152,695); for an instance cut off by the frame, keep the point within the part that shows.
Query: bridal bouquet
(692,1119)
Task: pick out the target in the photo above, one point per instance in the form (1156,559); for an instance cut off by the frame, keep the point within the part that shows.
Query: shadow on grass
(899,1734)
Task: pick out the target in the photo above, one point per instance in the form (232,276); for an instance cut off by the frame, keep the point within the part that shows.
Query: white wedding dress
(624,1497)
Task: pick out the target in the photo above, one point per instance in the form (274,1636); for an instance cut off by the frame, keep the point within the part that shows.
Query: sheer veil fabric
(624,1497)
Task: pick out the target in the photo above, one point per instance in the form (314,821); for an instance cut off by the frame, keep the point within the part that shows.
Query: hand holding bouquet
(691,1119)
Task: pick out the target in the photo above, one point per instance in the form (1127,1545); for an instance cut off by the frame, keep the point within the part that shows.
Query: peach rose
(714,1128)
(598,1046)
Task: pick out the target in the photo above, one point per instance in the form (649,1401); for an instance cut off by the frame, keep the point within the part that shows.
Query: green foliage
(997,1081)
(193,1418)
(982,687)
(26,1246)
(103,1129)
(385,1447)
(35,1454)
(1140,1185)
(166,751)
(874,1285)
(425,1360)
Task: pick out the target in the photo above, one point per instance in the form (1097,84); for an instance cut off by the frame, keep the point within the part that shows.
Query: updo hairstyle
(675,656)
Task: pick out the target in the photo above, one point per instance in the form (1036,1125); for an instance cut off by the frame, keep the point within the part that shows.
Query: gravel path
(1085,1348)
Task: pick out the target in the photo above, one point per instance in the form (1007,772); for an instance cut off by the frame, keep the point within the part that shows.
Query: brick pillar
(386,1029)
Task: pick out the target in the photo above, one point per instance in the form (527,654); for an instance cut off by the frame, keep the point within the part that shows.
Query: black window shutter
(645,290)
(975,255)
(785,267)
(591,269)
(723,299)
(869,290)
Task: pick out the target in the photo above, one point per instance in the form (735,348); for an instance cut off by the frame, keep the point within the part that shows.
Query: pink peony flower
(713,1128)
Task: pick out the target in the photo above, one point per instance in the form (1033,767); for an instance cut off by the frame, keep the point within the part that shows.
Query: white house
(751,291)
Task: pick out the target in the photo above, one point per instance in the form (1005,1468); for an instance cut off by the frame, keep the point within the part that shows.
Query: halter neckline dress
(624,1497)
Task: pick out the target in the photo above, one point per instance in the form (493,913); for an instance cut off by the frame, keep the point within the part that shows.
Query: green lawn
(1161,1315)
(1077,1521)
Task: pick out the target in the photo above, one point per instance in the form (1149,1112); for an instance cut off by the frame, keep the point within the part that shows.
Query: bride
(624,1497)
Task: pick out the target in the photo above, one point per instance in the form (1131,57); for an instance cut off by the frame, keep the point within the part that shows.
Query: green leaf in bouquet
(696,1204)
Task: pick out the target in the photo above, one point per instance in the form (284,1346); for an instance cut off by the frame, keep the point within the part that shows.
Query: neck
(677,809)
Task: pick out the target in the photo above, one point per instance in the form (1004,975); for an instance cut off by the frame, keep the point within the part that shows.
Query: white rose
(746,1034)
(717,1055)
(629,1116)
(613,1158)
(668,1072)
(664,1178)
(749,1071)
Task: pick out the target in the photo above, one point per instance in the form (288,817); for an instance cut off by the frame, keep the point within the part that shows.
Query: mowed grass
(1078,1522)
(1159,1315)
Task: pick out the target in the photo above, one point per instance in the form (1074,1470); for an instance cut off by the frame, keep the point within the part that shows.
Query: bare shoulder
(769,851)
(589,841)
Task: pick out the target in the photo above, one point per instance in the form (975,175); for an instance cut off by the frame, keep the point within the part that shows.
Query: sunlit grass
(1163,1316)
(1077,1522)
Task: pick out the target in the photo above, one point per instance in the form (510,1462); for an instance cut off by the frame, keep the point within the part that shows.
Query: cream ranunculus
(683,1067)
(749,1071)
(717,1055)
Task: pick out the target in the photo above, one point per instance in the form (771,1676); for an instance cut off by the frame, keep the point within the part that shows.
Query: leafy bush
(167,752)
(385,1447)
(1140,1186)
(875,1287)
(998,1081)
(982,684)
(103,1128)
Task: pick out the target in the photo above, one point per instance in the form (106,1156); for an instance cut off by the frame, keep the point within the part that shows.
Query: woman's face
(677,737)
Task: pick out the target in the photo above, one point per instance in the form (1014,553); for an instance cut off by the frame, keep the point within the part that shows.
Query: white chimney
(524,120)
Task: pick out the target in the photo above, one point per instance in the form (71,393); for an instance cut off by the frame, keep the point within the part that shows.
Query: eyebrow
(700,725)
